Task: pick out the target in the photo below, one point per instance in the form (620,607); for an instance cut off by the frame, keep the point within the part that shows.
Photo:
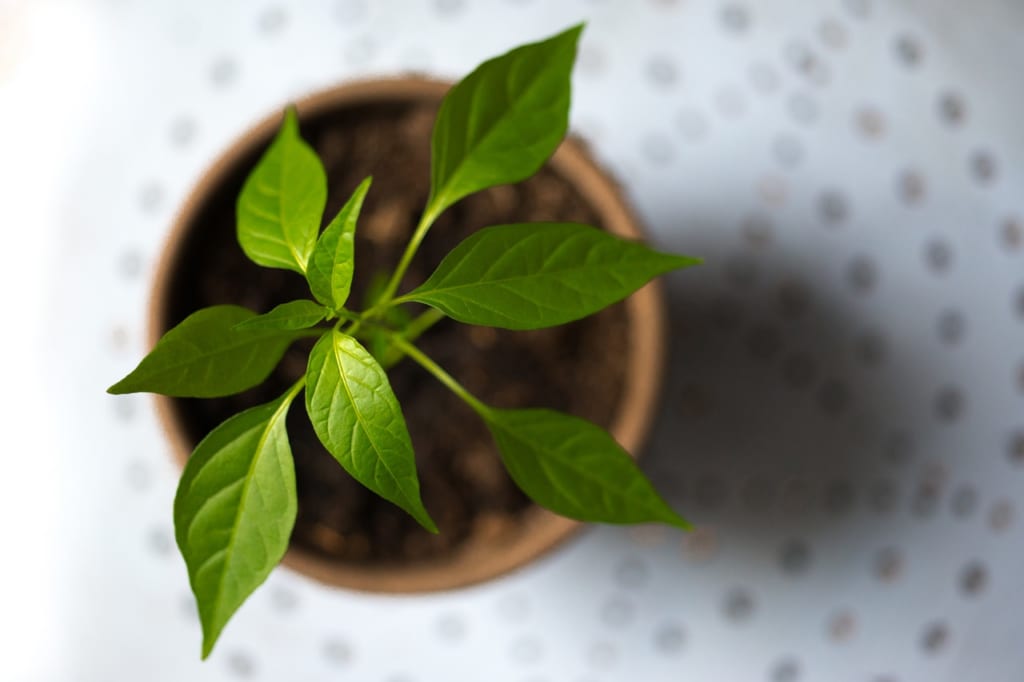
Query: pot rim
(540,530)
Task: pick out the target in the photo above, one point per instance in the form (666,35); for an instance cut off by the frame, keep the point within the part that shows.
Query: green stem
(413,331)
(294,390)
(441,375)
(428,218)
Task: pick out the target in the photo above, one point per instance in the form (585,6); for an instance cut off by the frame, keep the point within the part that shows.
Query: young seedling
(236,502)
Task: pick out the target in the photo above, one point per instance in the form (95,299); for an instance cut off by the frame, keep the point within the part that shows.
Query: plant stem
(441,375)
(413,331)
(428,218)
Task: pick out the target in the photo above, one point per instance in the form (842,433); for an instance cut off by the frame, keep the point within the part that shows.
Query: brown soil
(577,368)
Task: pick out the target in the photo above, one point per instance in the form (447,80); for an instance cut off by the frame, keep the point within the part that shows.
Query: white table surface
(843,415)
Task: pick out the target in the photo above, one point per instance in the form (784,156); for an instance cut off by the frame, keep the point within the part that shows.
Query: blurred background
(843,412)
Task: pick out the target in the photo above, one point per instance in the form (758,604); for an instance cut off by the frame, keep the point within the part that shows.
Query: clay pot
(540,530)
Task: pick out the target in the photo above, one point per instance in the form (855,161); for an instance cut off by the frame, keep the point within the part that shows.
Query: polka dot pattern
(841,418)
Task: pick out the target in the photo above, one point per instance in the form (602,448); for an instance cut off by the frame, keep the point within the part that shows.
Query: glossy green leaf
(290,316)
(502,122)
(206,356)
(282,202)
(333,262)
(234,511)
(534,275)
(358,419)
(575,469)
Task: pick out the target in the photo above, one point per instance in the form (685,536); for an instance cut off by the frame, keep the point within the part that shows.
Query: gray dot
(730,103)
(662,72)
(182,131)
(964,501)
(159,541)
(935,638)
(514,607)
(898,448)
(799,370)
(858,8)
(888,564)
(948,404)
(617,612)
(451,627)
(763,342)
(882,496)
(669,639)
(124,407)
(1001,515)
(757,230)
(870,123)
(272,20)
(241,664)
(447,8)
(787,150)
(692,124)
(973,579)
(223,72)
(911,187)
(591,61)
(839,497)
(1015,449)
(657,149)
(786,670)
(735,18)
(738,605)
(802,108)
(984,168)
(795,557)
(938,256)
(350,11)
(138,475)
(632,573)
(764,78)
(862,274)
(832,34)
(129,264)
(602,655)
(360,50)
(151,196)
(337,651)
(284,600)
(526,650)
(870,349)
(833,207)
(807,63)
(793,299)
(951,327)
(841,626)
(1011,233)
(1018,302)
(952,109)
(908,49)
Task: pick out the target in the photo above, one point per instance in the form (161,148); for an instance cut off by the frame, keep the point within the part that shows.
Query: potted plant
(350,334)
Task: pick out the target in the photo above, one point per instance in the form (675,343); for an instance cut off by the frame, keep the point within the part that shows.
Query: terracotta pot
(541,530)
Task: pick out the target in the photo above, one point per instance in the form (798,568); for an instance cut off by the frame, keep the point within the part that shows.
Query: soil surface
(577,368)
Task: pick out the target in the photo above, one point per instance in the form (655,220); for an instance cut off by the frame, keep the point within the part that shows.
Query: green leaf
(333,262)
(575,468)
(234,510)
(534,275)
(206,357)
(282,202)
(357,417)
(502,122)
(290,316)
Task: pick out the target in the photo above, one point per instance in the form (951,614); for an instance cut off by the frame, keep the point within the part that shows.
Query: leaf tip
(290,124)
